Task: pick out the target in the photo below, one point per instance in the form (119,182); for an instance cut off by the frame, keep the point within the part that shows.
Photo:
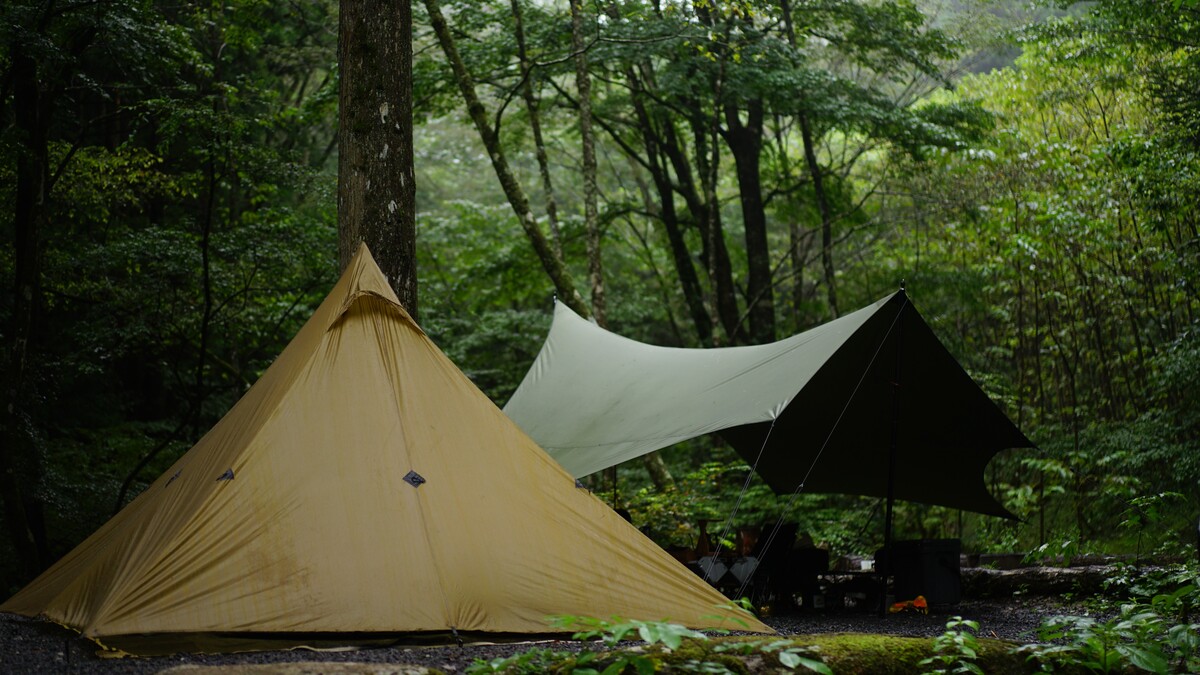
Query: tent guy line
(738,503)
(857,386)
(800,485)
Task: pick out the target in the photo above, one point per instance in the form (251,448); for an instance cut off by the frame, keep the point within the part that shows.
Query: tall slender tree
(533,108)
(39,61)
(517,198)
(583,84)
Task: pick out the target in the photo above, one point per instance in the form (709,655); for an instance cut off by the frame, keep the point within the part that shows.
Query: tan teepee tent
(362,487)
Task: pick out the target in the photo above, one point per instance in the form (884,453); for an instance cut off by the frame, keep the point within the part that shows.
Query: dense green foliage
(672,648)
(169,222)
(1151,631)
(184,237)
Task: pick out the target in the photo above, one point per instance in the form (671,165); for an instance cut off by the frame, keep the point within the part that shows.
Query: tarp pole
(888,553)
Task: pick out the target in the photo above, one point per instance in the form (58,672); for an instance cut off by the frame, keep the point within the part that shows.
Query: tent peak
(361,279)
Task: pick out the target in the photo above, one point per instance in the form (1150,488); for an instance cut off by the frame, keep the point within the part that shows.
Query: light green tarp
(814,410)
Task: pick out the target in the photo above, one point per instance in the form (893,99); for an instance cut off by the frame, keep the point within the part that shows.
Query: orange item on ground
(917,604)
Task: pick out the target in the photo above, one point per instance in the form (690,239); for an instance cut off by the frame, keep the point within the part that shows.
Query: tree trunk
(798,241)
(713,251)
(745,144)
(693,295)
(551,263)
(376,191)
(35,87)
(708,217)
(535,126)
(20,466)
(660,475)
(798,249)
(583,82)
(814,168)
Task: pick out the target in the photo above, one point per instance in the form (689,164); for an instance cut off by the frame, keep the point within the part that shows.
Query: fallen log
(983,582)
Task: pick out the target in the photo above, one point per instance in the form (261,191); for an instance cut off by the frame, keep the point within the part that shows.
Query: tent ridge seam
(358,295)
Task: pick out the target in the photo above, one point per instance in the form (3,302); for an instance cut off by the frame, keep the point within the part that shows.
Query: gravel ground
(30,646)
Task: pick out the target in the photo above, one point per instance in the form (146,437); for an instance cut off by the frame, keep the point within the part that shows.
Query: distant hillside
(989,27)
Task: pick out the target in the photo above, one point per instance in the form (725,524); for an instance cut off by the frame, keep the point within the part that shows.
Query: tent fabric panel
(594,399)
(303,537)
(78,588)
(71,590)
(232,550)
(836,435)
(539,546)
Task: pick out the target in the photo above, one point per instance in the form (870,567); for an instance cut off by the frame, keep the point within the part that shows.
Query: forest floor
(32,646)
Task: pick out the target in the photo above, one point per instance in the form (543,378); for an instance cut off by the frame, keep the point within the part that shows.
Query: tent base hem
(165,644)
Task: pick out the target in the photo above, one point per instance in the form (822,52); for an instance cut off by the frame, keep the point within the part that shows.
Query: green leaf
(815,665)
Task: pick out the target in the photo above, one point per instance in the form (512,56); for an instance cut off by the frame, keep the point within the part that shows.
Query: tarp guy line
(854,393)
(738,504)
(771,538)
(800,485)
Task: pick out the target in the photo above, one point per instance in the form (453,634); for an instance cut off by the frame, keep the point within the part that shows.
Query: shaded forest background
(711,172)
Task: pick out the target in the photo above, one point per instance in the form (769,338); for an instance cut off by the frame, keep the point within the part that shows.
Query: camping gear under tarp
(821,411)
(363,487)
